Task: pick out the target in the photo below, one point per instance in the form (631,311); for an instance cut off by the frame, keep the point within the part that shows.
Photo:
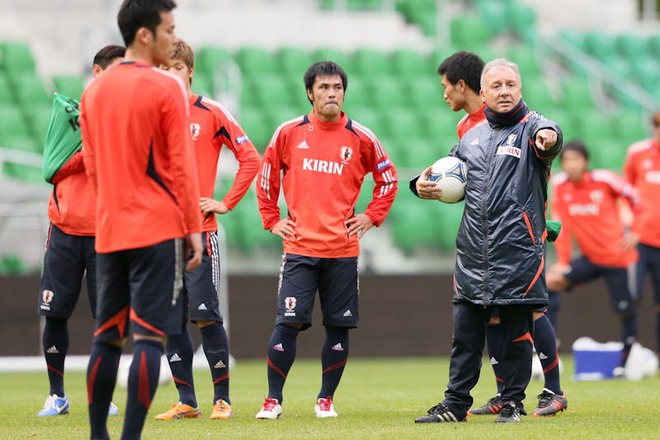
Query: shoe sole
(181,416)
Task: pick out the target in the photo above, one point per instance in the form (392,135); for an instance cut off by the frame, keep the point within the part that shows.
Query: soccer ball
(449,174)
(125,365)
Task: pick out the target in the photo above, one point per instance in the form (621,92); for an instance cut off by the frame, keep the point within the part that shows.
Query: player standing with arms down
(69,255)
(642,170)
(211,127)
(586,203)
(322,158)
(500,243)
(138,157)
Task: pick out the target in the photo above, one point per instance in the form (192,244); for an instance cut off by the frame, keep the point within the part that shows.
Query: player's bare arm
(545,139)
(194,245)
(285,228)
(359,224)
(426,188)
(209,206)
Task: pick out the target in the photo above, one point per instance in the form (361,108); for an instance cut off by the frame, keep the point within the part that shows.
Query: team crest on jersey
(194,130)
(596,196)
(47,296)
(346,154)
(290,305)
(647,164)
(511,139)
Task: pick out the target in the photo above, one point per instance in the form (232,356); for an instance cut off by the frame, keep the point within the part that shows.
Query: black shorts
(200,286)
(649,263)
(67,259)
(617,280)
(336,280)
(141,286)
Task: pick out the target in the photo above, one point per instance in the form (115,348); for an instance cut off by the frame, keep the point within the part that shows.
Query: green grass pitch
(377,399)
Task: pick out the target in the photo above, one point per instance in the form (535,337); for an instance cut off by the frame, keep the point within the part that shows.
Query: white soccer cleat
(270,410)
(324,408)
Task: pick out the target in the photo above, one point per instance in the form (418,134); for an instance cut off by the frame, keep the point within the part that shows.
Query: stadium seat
(600,45)
(12,120)
(368,116)
(401,123)
(494,14)
(632,46)
(368,61)
(21,142)
(38,121)
(357,93)
(208,58)
(16,58)
(424,90)
(6,95)
(469,31)
(408,63)
(255,62)
(412,225)
(610,154)
(294,62)
(23,172)
(69,85)
(522,20)
(338,56)
(594,124)
(449,217)
(629,126)
(269,91)
(30,90)
(654,44)
(525,58)
(576,94)
(386,91)
(256,127)
(202,84)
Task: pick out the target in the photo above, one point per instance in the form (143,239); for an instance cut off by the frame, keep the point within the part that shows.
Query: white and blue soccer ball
(450,175)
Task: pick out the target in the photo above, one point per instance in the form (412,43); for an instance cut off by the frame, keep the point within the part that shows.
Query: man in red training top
(211,127)
(69,255)
(642,170)
(586,203)
(320,159)
(138,156)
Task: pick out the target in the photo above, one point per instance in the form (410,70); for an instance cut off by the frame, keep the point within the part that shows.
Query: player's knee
(538,314)
(202,324)
(494,320)
(114,342)
(289,328)
(161,339)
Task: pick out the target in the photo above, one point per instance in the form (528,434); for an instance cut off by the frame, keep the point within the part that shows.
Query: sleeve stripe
(265,178)
(370,134)
(220,107)
(279,129)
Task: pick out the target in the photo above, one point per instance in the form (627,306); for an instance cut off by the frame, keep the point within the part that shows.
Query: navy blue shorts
(336,280)
(649,263)
(617,280)
(200,286)
(67,259)
(141,287)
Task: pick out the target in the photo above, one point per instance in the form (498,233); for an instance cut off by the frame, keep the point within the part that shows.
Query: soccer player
(211,127)
(69,255)
(500,243)
(322,158)
(139,159)
(586,202)
(461,74)
(642,170)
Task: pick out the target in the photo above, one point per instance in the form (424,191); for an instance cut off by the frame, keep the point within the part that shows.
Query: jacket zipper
(484,219)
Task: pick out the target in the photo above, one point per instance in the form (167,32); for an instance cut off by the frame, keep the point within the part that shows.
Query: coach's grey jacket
(501,240)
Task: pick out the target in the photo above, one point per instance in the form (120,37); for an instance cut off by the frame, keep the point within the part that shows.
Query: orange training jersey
(211,127)
(322,167)
(72,204)
(138,156)
(589,212)
(470,121)
(642,170)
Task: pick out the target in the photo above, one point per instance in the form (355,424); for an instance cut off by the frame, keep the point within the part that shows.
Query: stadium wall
(400,316)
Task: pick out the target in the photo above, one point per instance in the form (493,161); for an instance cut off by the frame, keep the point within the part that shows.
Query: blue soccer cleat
(54,406)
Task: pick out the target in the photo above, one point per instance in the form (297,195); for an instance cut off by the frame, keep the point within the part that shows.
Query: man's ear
(144,36)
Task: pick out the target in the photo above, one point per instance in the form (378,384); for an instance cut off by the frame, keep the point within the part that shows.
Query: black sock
(55,340)
(281,354)
(495,344)
(657,331)
(545,343)
(333,359)
(101,379)
(216,349)
(628,335)
(180,358)
(142,384)
(554,306)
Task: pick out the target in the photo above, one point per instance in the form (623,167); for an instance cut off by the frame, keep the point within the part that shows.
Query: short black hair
(464,66)
(107,55)
(324,68)
(575,145)
(136,14)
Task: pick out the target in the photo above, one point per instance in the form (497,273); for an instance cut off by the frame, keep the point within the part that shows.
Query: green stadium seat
(22,142)
(654,44)
(600,45)
(202,84)
(629,126)
(469,31)
(524,57)
(208,58)
(401,123)
(294,62)
(16,58)
(407,63)
(537,94)
(23,172)
(421,12)
(269,90)
(357,93)
(337,56)
(370,61)
(368,116)
(420,152)
(386,91)
(256,126)
(594,124)
(424,90)
(449,217)
(611,153)
(12,265)
(577,94)
(412,225)
(360,5)
(69,85)
(12,120)
(6,95)
(30,90)
(38,118)
(572,38)
(494,14)
(522,20)
(256,62)
(632,46)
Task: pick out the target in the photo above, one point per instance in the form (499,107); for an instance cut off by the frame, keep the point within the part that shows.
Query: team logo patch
(290,305)
(195,129)
(241,139)
(47,296)
(346,154)
(383,164)
(596,196)
(509,151)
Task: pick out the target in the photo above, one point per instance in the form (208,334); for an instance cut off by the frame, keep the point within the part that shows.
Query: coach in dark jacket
(500,243)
